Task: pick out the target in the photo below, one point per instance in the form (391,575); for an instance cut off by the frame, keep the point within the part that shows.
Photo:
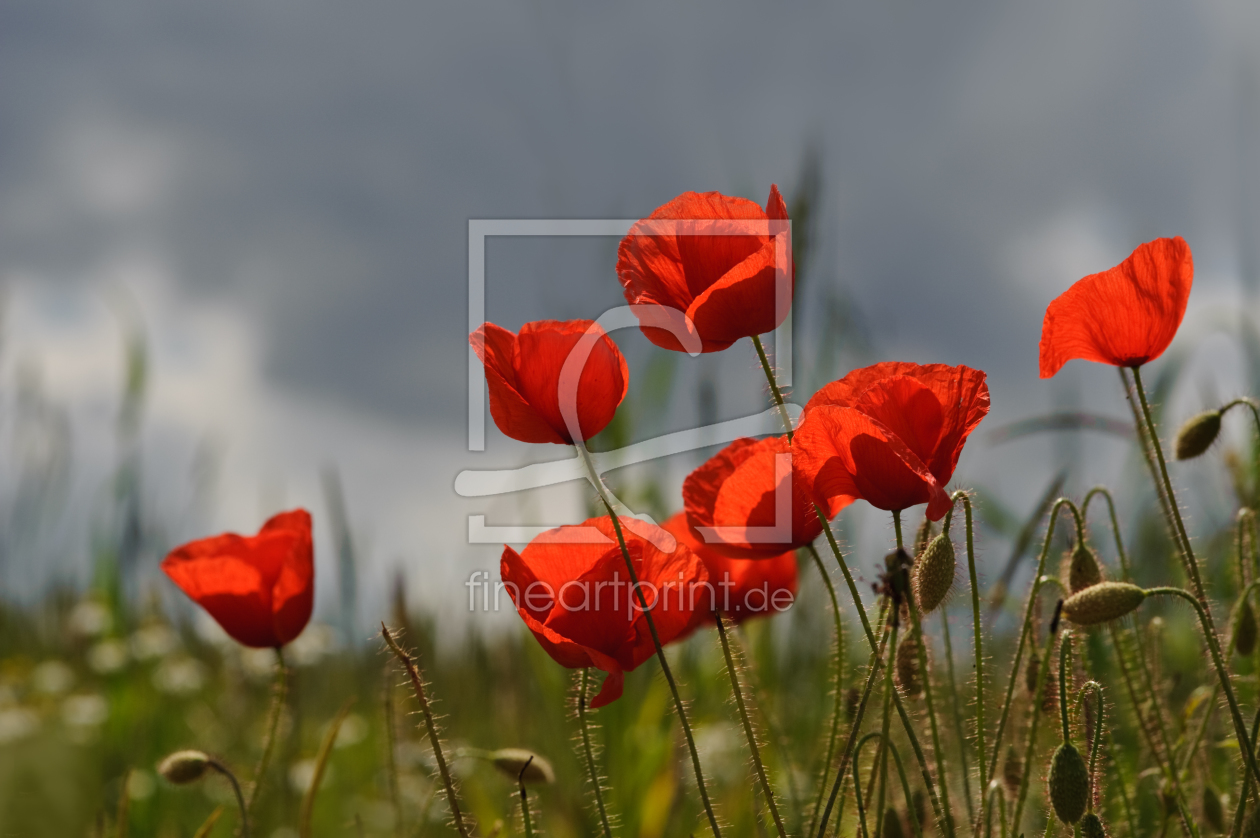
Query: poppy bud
(1012,770)
(1092,826)
(1103,603)
(934,573)
(1245,628)
(1083,569)
(1198,434)
(1213,812)
(184,767)
(1069,783)
(892,824)
(907,670)
(512,761)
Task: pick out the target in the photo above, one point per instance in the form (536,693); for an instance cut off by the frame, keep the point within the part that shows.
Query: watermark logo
(486,483)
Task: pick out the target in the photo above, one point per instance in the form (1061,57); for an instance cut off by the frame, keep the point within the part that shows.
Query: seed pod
(892,824)
(1092,826)
(1244,628)
(1103,603)
(934,573)
(1012,770)
(1084,569)
(1198,434)
(1213,811)
(184,767)
(907,669)
(1069,783)
(511,761)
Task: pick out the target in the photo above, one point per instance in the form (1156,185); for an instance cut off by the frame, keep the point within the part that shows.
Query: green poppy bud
(1084,570)
(184,767)
(934,573)
(1092,826)
(1069,783)
(907,666)
(1198,434)
(1103,603)
(511,761)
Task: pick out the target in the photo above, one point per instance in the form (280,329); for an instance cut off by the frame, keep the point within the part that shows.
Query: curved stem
(1065,652)
(901,772)
(589,753)
(236,789)
(1115,525)
(748,730)
(1024,632)
(838,702)
(1240,729)
(1096,689)
(520,782)
(279,695)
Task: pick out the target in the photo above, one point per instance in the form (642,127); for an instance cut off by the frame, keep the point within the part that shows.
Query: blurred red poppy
(741,588)
(259,588)
(725,282)
(528,378)
(890,434)
(1125,316)
(736,489)
(576,597)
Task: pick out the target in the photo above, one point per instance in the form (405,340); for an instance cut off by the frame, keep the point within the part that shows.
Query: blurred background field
(233,245)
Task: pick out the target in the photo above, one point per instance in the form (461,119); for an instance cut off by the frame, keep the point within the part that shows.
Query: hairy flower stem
(1241,811)
(1043,679)
(915,826)
(1240,729)
(753,748)
(417,684)
(520,783)
(1027,626)
(837,708)
(958,719)
(589,753)
(278,696)
(605,497)
(876,660)
(1129,815)
(880,776)
(853,591)
(929,702)
(977,629)
(236,790)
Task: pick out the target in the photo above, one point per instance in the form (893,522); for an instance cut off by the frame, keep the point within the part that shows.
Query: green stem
(1115,526)
(1241,811)
(876,661)
(278,697)
(938,751)
(391,761)
(236,790)
(1065,652)
(958,719)
(1129,817)
(589,753)
(901,772)
(774,385)
(881,773)
(838,702)
(520,782)
(758,766)
(1096,689)
(1240,729)
(1043,677)
(1027,627)
(977,631)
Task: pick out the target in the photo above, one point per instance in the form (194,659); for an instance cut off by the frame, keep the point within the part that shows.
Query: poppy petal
(1125,316)
(512,413)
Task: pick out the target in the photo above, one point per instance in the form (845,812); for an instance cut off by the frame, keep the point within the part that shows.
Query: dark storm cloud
(321,160)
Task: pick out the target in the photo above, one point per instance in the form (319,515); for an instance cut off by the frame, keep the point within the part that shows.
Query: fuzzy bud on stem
(1197,434)
(183,767)
(1069,783)
(513,761)
(1084,569)
(934,573)
(1103,603)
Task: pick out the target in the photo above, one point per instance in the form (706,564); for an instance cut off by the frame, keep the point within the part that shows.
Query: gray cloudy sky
(285,187)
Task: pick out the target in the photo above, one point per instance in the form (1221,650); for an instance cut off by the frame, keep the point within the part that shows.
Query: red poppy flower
(737,490)
(727,284)
(259,588)
(576,597)
(890,434)
(741,588)
(1125,316)
(528,378)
